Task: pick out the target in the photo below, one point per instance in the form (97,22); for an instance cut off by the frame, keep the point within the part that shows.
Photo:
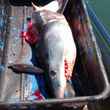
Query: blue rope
(101,28)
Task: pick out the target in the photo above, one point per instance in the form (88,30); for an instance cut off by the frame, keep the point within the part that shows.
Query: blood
(31,35)
(38,95)
(68,66)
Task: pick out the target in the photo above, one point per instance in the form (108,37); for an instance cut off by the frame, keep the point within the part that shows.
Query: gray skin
(25,68)
(56,44)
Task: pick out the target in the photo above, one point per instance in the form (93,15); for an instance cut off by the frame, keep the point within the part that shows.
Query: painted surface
(22,87)
(2,29)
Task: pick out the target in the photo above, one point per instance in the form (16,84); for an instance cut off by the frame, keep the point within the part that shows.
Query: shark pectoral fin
(25,68)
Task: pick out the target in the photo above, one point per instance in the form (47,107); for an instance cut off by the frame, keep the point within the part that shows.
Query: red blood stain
(31,35)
